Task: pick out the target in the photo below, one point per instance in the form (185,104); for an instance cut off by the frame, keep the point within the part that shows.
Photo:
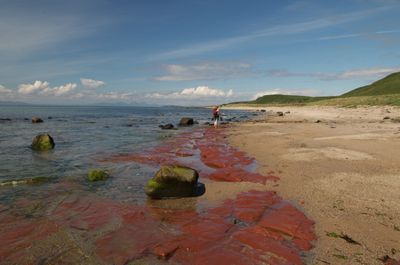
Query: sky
(192,52)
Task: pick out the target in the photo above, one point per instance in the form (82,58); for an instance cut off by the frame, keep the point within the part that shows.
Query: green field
(382,92)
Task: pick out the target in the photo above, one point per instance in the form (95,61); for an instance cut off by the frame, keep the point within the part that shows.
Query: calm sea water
(83,136)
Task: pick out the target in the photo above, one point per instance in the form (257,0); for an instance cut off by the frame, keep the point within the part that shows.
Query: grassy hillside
(286,99)
(386,86)
(382,92)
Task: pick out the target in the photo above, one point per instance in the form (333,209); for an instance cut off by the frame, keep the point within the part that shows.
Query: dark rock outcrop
(174,181)
(36,120)
(186,121)
(42,142)
(168,126)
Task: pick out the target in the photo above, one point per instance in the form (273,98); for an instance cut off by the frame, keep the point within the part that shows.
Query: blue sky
(192,52)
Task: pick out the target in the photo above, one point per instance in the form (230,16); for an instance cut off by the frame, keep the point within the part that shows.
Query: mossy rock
(98,175)
(173,181)
(43,142)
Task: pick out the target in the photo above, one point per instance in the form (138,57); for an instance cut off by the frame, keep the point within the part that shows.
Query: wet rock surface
(42,142)
(186,121)
(36,120)
(173,181)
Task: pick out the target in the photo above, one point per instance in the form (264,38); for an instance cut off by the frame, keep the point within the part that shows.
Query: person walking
(216,116)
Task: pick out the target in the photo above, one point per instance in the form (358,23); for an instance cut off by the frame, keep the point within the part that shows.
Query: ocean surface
(84,137)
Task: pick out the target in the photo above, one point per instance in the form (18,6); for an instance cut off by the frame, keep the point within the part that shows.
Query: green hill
(286,99)
(385,91)
(386,86)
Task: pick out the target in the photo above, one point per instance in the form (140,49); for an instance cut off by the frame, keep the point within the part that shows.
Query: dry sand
(343,171)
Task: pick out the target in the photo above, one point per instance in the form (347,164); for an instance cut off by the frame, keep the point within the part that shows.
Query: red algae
(18,233)
(232,230)
(257,227)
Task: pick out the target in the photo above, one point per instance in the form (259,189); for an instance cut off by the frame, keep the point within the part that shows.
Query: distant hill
(385,91)
(12,103)
(286,99)
(386,86)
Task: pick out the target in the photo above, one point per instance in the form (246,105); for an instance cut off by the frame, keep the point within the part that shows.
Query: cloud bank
(43,88)
(193,93)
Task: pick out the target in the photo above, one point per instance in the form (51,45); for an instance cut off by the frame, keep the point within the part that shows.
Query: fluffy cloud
(60,90)
(43,88)
(91,83)
(37,86)
(193,93)
(3,89)
(203,71)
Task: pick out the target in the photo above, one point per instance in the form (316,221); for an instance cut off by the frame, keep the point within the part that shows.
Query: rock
(287,112)
(97,175)
(279,113)
(168,126)
(386,118)
(36,120)
(5,119)
(173,181)
(42,142)
(317,121)
(186,122)
(263,110)
(49,117)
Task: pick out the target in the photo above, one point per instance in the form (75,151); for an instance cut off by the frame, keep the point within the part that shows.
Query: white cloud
(36,87)
(203,71)
(193,93)
(91,83)
(60,90)
(366,73)
(43,88)
(3,89)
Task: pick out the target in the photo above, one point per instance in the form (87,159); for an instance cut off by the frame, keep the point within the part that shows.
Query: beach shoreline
(340,165)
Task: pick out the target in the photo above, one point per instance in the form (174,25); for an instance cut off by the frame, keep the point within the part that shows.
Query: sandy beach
(341,167)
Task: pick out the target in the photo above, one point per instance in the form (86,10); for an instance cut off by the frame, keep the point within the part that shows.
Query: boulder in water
(186,121)
(168,126)
(36,120)
(42,142)
(174,181)
(97,175)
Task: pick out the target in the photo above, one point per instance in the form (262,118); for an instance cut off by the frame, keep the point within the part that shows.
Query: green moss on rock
(42,142)
(97,175)
(172,181)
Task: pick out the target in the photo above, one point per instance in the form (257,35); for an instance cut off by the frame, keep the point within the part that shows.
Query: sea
(84,137)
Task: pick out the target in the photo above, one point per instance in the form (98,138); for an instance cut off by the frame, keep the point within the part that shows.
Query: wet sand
(342,167)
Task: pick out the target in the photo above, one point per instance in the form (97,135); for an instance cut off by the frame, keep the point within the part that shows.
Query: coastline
(340,165)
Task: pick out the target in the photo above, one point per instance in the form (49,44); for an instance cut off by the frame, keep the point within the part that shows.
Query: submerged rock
(186,121)
(29,181)
(42,142)
(168,126)
(97,175)
(174,181)
(36,120)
